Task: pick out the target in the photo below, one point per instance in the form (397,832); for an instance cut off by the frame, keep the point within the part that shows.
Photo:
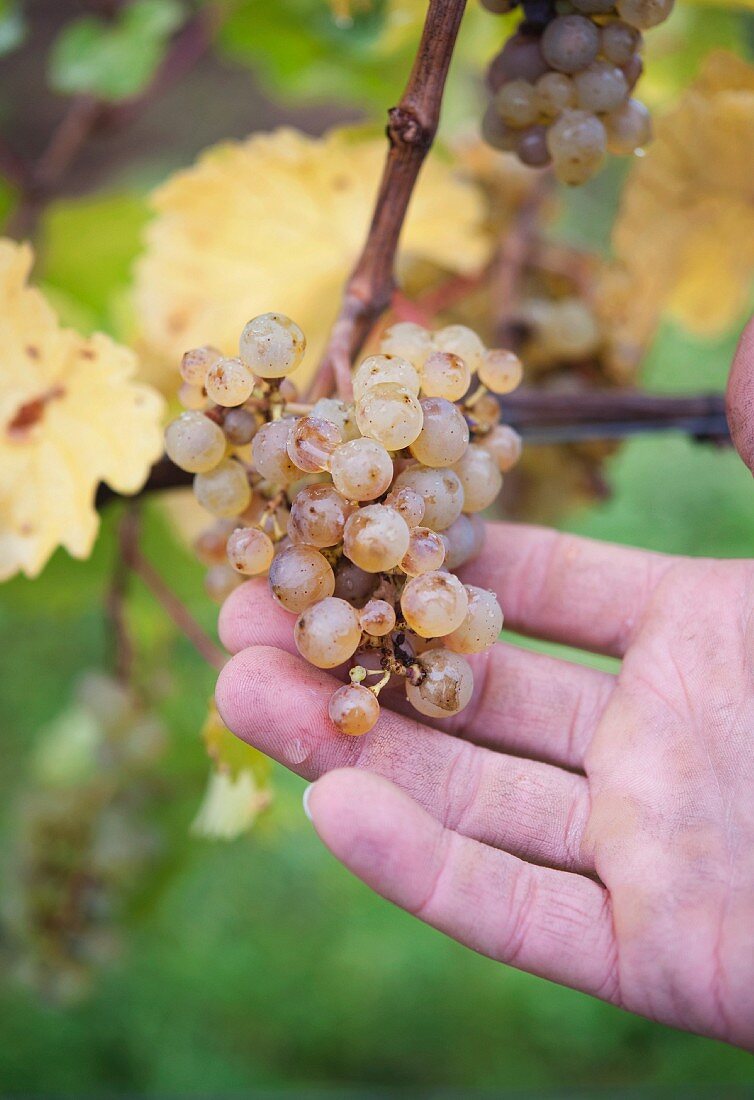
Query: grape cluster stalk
(562,85)
(357,512)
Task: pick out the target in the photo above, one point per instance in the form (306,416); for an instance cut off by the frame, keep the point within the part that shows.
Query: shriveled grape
(446,686)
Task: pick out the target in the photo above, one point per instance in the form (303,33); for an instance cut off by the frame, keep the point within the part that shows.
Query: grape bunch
(561,86)
(358,512)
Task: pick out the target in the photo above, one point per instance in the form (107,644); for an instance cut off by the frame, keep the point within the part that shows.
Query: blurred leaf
(12,26)
(115,59)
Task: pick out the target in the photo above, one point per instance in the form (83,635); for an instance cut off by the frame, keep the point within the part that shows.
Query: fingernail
(305,800)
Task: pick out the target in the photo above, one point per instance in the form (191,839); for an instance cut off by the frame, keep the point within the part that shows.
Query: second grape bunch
(359,513)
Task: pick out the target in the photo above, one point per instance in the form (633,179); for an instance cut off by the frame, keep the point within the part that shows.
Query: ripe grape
(210,546)
(351,583)
(250,550)
(445,374)
(390,414)
(441,491)
(644,13)
(311,443)
(460,340)
(354,709)
(434,604)
(407,503)
(379,369)
(601,87)
(318,517)
(272,345)
(504,444)
(577,143)
(570,330)
(460,542)
(485,411)
(269,450)
(377,618)
(191,397)
(220,581)
(338,413)
(619,42)
(515,103)
(299,577)
(553,92)
(482,625)
(520,59)
(496,133)
(570,43)
(446,686)
(500,370)
(229,382)
(444,436)
(480,477)
(223,491)
(629,128)
(196,363)
(361,469)
(327,633)
(240,426)
(425,554)
(194,442)
(408,340)
(376,538)
(531,147)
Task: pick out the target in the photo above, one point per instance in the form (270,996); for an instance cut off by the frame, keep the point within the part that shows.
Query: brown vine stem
(411,129)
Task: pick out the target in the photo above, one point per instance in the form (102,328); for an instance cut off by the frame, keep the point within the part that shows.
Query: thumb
(740,397)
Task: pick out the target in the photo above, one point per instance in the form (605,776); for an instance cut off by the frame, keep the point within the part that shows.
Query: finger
(547,922)
(740,397)
(278,703)
(523,702)
(567,589)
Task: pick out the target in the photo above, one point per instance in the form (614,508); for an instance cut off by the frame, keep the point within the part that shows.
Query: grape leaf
(12,26)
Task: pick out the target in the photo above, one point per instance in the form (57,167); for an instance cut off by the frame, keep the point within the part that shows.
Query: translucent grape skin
(460,542)
(441,491)
(577,142)
(500,370)
(318,517)
(381,369)
(570,43)
(408,504)
(553,92)
(446,687)
(462,341)
(361,469)
(299,577)
(196,363)
(191,397)
(644,14)
(444,436)
(377,618)
(272,345)
(629,128)
(434,604)
(504,444)
(390,414)
(425,554)
(600,87)
(269,450)
(229,382)
(311,443)
(354,710)
(240,426)
(516,104)
(250,551)
(445,374)
(480,478)
(408,340)
(327,633)
(194,442)
(223,491)
(482,625)
(376,538)
(619,42)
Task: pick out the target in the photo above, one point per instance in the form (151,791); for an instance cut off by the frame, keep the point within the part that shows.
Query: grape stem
(411,129)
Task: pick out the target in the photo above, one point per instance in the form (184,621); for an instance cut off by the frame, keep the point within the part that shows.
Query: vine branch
(411,129)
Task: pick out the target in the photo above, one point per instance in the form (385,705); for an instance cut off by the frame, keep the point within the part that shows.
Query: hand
(592,828)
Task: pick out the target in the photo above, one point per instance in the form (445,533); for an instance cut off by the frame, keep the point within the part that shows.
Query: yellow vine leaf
(684,237)
(276,222)
(71,415)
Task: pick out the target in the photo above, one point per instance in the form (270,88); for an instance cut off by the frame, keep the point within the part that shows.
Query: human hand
(595,829)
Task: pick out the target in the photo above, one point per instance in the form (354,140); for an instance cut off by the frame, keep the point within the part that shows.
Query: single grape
(520,59)
(375,538)
(210,545)
(553,92)
(531,147)
(570,43)
(496,133)
(501,370)
(351,583)
(444,436)
(577,142)
(408,340)
(482,625)
(269,450)
(377,618)
(338,413)
(485,411)
(601,87)
(191,397)
(229,382)
(425,554)
(361,469)
(629,128)
(196,363)
(299,577)
(318,517)
(407,503)
(644,14)
(460,542)
(434,604)
(446,687)
(327,633)
(379,369)
(220,581)
(223,491)
(445,374)
(504,444)
(462,341)
(312,441)
(515,103)
(389,414)
(240,426)
(571,331)
(354,709)
(194,442)
(441,491)
(250,551)
(480,477)
(619,42)
(632,70)
(272,345)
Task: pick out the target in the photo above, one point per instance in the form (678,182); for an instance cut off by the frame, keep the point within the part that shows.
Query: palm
(593,829)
